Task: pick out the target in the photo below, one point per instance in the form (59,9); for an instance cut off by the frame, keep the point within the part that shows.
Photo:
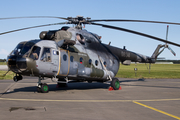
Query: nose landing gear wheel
(17,78)
(115,84)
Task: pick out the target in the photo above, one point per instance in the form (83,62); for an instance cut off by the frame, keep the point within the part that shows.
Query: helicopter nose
(21,64)
(11,62)
(17,64)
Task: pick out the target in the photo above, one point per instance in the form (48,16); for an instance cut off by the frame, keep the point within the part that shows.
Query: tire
(44,88)
(15,78)
(115,84)
(19,77)
(38,89)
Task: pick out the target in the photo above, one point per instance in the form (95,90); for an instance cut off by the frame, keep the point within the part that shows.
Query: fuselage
(87,60)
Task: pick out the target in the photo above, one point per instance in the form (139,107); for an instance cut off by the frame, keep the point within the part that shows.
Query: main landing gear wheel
(43,88)
(115,84)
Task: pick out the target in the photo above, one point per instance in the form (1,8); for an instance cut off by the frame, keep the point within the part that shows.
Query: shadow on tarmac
(85,86)
(142,79)
(70,86)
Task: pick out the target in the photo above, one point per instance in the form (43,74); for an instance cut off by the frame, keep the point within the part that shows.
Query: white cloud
(3,52)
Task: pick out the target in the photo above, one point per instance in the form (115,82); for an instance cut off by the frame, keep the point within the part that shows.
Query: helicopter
(73,54)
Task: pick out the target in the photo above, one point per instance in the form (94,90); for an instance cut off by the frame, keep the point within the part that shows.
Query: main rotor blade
(135,32)
(125,20)
(33,17)
(32,27)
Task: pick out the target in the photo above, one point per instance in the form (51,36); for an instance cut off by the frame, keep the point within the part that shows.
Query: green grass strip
(8,76)
(156,71)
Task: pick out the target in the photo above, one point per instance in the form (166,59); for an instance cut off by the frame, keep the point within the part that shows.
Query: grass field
(157,71)
(2,63)
(9,76)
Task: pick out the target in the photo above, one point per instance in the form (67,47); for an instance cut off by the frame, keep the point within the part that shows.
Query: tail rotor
(171,50)
(157,52)
(166,45)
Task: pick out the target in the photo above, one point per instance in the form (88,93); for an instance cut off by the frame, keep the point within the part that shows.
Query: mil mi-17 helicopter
(73,53)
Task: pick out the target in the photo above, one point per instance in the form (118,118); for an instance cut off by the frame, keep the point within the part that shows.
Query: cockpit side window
(46,55)
(80,38)
(35,53)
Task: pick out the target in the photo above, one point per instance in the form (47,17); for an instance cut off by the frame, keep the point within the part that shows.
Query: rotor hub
(78,21)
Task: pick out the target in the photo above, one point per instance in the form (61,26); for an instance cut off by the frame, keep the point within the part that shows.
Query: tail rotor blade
(172,51)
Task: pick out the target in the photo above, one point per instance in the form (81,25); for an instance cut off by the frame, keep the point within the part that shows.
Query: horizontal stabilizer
(126,62)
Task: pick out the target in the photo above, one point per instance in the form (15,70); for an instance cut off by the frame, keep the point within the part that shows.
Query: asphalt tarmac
(139,99)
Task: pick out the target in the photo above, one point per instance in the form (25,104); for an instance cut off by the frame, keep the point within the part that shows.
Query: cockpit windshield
(35,53)
(17,50)
(22,49)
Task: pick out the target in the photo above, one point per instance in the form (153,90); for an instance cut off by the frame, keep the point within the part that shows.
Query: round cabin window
(64,57)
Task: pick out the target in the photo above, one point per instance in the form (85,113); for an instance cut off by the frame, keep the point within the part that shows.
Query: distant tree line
(174,61)
(2,60)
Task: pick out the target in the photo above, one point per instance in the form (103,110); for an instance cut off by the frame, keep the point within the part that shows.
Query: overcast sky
(159,10)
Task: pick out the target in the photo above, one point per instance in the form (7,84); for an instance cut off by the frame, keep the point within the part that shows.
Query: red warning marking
(57,86)
(111,88)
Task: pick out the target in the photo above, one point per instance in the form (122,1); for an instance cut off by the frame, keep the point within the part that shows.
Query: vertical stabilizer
(156,52)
